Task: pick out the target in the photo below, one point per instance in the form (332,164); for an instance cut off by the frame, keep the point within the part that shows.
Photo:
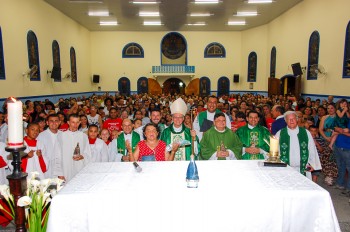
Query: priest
(122,147)
(297,147)
(253,137)
(220,142)
(177,132)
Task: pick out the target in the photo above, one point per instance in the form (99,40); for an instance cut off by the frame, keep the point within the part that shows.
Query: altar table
(231,196)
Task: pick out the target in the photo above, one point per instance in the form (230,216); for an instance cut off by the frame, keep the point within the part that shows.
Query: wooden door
(274,86)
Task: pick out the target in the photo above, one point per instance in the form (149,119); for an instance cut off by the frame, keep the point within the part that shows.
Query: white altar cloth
(232,196)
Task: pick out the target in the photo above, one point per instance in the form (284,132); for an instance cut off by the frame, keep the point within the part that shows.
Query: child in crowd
(42,123)
(105,136)
(35,158)
(99,149)
(239,122)
(84,124)
(114,134)
(137,123)
(341,120)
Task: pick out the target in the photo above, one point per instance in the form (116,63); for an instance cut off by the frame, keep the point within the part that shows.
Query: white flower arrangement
(36,202)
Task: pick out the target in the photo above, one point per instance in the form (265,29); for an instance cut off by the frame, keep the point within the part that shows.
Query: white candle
(15,123)
(274,142)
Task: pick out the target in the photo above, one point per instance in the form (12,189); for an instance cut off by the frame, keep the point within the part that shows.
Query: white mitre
(178,106)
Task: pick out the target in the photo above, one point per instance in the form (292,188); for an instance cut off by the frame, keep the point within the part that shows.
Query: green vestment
(135,138)
(254,137)
(169,132)
(213,138)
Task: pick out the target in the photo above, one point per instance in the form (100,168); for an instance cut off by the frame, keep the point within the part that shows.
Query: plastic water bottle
(192,177)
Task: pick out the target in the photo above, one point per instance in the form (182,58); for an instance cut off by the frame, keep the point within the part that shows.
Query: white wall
(17,17)
(101,52)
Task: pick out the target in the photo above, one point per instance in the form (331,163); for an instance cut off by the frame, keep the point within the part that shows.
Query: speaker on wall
(297,69)
(96,79)
(235,78)
(56,73)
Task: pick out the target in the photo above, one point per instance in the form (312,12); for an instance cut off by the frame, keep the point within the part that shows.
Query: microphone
(137,167)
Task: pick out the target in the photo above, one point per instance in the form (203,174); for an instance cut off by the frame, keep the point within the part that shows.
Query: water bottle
(192,177)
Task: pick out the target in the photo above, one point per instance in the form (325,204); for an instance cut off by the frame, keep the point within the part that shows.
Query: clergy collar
(178,129)
(278,117)
(220,131)
(296,130)
(251,127)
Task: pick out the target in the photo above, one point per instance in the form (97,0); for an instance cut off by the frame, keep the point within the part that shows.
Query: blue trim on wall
(315,35)
(346,62)
(2,59)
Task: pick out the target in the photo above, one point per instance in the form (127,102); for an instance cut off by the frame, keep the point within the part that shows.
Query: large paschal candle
(15,123)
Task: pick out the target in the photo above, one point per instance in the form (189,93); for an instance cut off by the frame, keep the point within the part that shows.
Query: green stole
(166,137)
(303,145)
(202,115)
(161,128)
(135,138)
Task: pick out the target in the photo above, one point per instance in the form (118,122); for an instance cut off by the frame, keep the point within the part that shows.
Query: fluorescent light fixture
(259,1)
(108,23)
(149,14)
(196,24)
(236,23)
(206,1)
(85,1)
(145,2)
(99,13)
(246,13)
(152,23)
(200,14)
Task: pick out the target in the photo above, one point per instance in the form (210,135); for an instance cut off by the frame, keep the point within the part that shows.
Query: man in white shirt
(69,140)
(49,138)
(204,120)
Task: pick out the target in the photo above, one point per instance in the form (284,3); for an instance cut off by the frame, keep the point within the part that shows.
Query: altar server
(99,149)
(49,138)
(69,141)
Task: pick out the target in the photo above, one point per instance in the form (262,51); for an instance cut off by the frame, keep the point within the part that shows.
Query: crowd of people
(62,138)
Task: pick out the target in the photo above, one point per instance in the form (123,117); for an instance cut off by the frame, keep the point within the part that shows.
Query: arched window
(2,61)
(346,66)
(33,56)
(314,48)
(56,62)
(142,85)
(252,67)
(204,86)
(214,50)
(124,86)
(173,49)
(73,65)
(133,50)
(273,62)
(223,86)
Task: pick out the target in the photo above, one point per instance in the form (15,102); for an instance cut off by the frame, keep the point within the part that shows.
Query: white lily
(53,192)
(5,191)
(33,175)
(24,201)
(44,184)
(34,184)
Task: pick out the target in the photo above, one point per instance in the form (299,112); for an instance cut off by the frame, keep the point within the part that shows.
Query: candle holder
(18,185)
(274,160)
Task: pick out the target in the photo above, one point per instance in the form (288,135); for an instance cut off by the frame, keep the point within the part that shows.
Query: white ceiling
(174,14)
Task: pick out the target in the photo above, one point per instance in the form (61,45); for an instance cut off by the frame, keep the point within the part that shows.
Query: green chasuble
(135,138)
(254,137)
(303,142)
(169,136)
(213,138)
